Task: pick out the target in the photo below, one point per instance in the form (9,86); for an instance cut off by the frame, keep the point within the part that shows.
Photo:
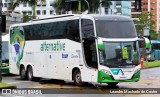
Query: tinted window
(87,28)
(156,46)
(54,30)
(115,29)
(5,53)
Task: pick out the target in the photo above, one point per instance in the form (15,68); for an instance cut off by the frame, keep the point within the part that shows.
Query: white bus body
(63,58)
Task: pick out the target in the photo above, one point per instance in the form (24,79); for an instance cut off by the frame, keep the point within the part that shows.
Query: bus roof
(110,17)
(95,16)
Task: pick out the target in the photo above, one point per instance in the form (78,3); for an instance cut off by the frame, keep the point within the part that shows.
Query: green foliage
(59,5)
(5,85)
(81,5)
(153,34)
(26,18)
(146,20)
(151,64)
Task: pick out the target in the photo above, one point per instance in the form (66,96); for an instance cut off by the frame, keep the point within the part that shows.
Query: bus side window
(55,30)
(72,30)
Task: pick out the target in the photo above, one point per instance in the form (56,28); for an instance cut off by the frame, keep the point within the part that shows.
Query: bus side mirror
(92,37)
(100,44)
(3,23)
(145,45)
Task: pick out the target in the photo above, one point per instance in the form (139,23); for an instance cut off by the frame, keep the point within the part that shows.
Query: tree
(158,35)
(26,18)
(59,5)
(146,20)
(32,3)
(94,4)
(79,5)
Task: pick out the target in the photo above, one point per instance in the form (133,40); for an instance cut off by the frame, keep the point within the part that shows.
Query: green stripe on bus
(104,78)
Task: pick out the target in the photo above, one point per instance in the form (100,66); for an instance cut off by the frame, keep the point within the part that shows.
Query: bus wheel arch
(29,72)
(76,76)
(22,72)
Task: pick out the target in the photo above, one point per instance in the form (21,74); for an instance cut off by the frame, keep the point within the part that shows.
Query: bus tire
(112,84)
(30,73)
(22,73)
(77,78)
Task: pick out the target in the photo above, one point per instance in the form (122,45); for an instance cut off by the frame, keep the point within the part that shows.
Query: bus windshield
(5,53)
(115,29)
(120,54)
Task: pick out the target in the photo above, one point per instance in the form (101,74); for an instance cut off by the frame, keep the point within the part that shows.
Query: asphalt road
(150,78)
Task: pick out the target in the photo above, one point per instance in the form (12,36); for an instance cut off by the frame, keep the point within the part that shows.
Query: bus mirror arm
(91,37)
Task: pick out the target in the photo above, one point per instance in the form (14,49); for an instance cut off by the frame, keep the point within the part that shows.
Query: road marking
(60,86)
(47,86)
(100,90)
(79,88)
(19,82)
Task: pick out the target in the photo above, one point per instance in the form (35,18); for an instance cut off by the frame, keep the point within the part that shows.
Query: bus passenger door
(90,52)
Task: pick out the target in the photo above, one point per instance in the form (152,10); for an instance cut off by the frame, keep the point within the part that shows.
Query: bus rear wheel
(112,84)
(22,73)
(77,78)
(30,73)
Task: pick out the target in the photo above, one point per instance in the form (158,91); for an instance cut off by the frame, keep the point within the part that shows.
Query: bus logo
(117,71)
(64,55)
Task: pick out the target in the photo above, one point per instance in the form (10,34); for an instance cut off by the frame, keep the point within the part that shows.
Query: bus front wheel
(77,78)
(112,84)
(30,73)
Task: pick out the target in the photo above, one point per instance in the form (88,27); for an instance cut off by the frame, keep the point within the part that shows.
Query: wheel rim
(22,73)
(29,74)
(78,78)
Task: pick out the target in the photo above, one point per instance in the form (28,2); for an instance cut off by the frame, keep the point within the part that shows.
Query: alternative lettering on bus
(57,46)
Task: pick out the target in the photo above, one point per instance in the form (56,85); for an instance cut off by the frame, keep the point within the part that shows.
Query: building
(153,7)
(126,8)
(135,12)
(42,9)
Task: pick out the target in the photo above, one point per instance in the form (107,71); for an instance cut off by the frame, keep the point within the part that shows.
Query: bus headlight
(106,71)
(148,56)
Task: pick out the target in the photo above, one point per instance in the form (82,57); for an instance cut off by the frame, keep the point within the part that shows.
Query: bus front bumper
(5,68)
(105,78)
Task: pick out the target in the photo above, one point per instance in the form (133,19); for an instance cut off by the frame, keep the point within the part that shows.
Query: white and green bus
(80,48)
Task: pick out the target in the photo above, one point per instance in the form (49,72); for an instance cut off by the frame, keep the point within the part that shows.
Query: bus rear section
(5,54)
(155,50)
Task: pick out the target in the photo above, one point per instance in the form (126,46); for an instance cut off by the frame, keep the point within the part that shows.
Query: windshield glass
(120,54)
(115,29)
(5,53)
(156,46)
